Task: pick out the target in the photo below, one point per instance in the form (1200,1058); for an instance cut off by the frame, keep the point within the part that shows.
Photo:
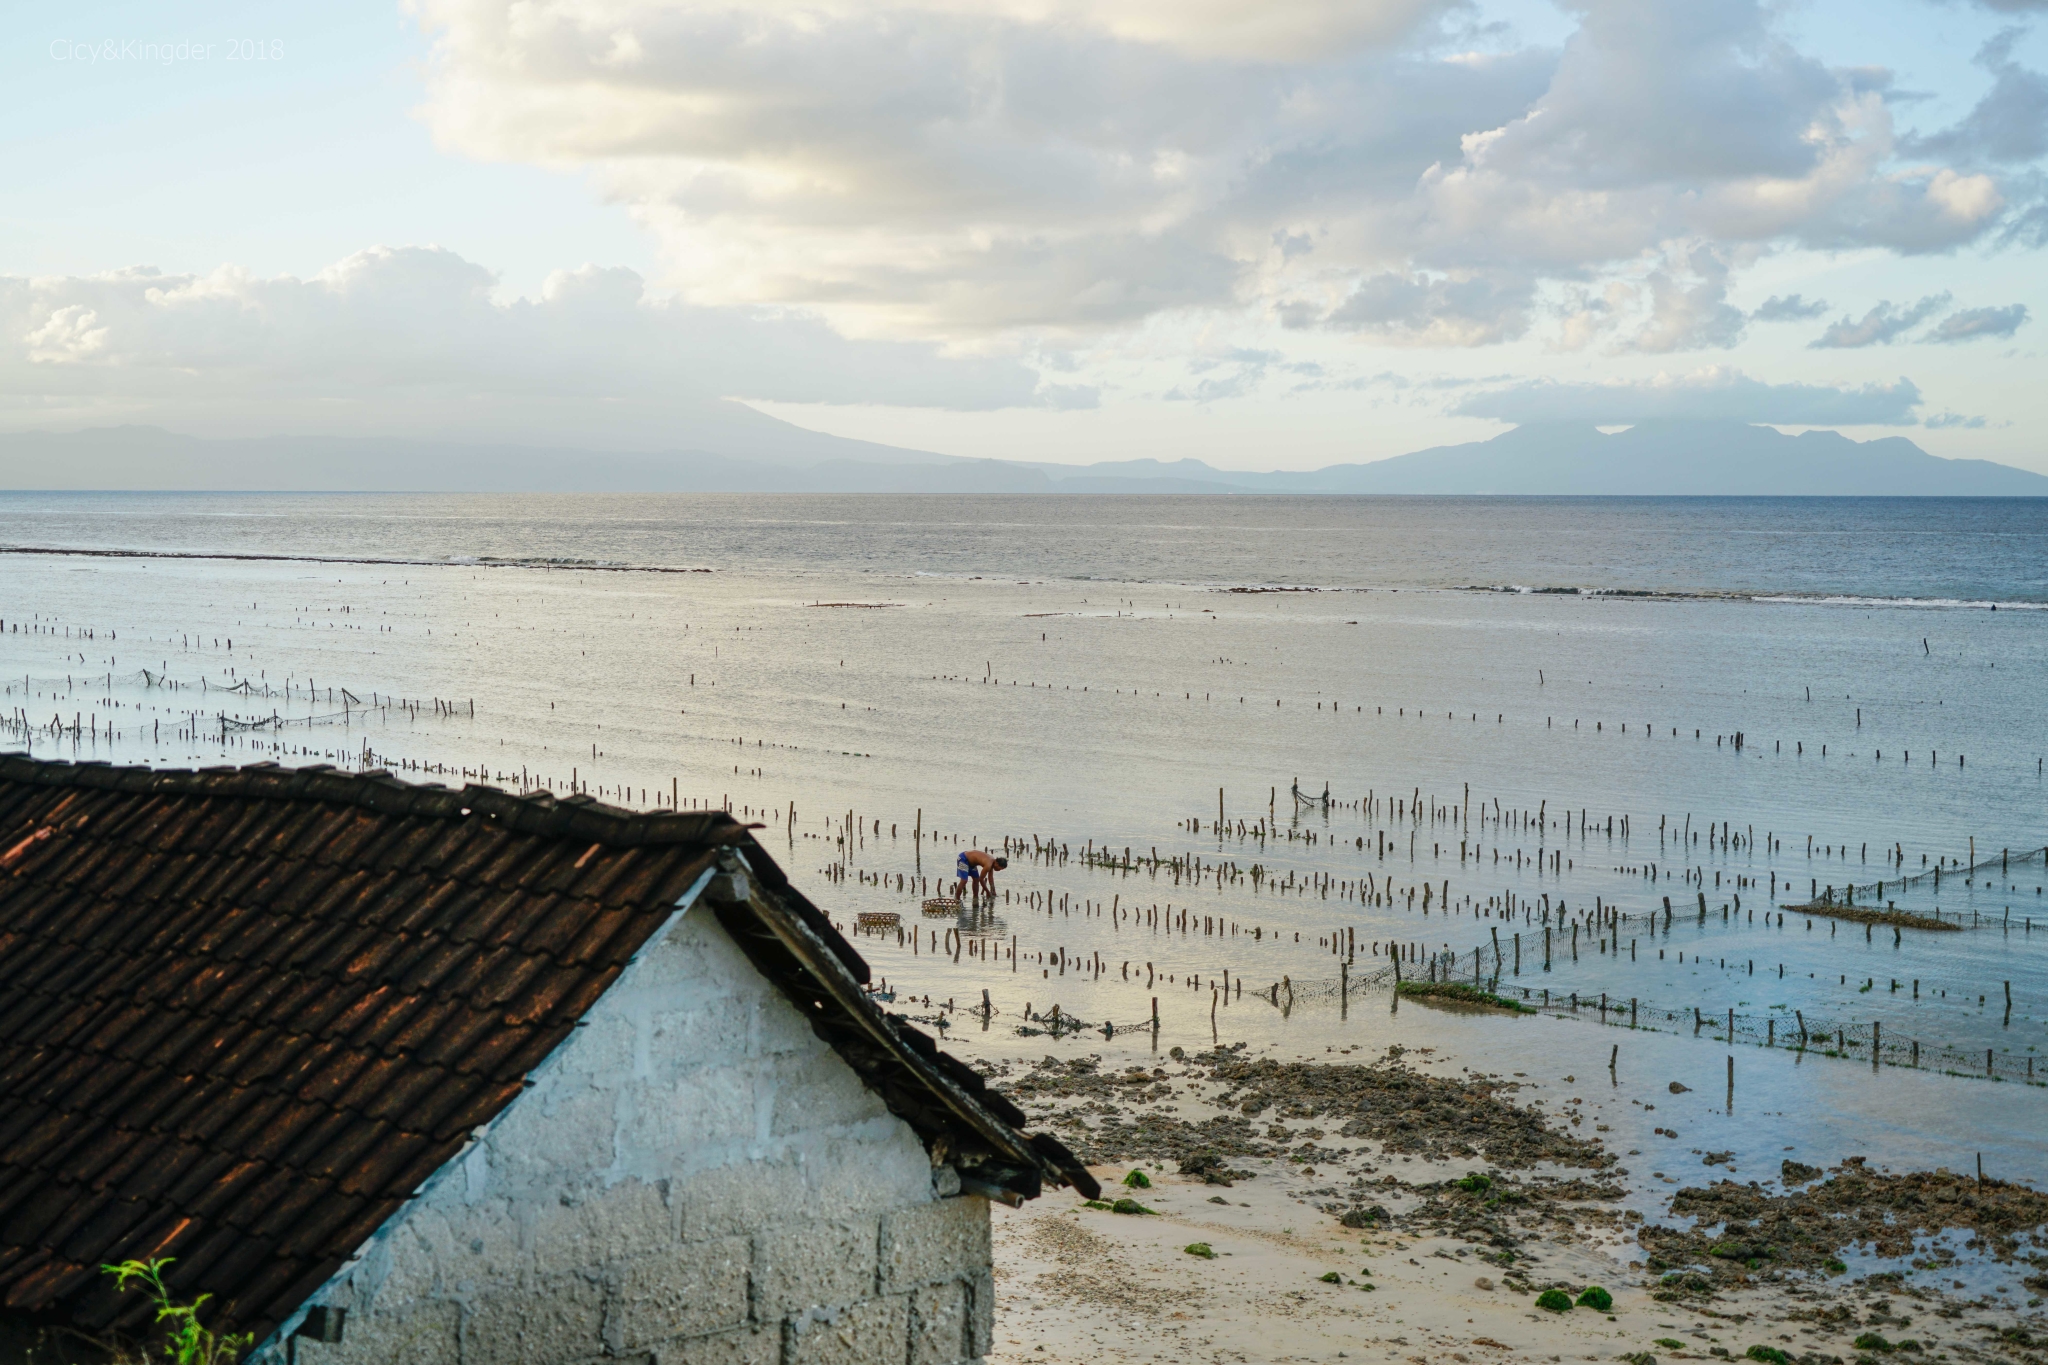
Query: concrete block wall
(694,1179)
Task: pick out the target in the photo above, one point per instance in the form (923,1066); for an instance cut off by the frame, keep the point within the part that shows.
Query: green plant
(1201,1249)
(1475,1183)
(1670,1343)
(1871,1341)
(1597,1299)
(1102,1204)
(1459,993)
(1837,1268)
(1128,1206)
(1770,1354)
(1555,1300)
(1138,1180)
(190,1343)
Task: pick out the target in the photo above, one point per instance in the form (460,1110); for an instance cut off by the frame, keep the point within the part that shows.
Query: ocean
(1530,707)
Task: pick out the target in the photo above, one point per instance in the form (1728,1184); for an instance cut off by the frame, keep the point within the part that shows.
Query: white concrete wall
(694,1178)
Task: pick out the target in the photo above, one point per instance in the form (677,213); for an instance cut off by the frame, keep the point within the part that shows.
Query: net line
(1788,1029)
(1874,893)
(18,720)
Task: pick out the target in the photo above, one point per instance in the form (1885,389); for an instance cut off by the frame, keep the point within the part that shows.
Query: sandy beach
(1362,1208)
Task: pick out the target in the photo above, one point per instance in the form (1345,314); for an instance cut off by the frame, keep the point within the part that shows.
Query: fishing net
(1791,1029)
(1993,873)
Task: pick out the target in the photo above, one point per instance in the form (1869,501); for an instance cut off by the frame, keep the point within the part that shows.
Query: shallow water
(1082,672)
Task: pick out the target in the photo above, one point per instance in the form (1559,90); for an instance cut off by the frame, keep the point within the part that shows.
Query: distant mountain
(1675,459)
(730,448)
(744,451)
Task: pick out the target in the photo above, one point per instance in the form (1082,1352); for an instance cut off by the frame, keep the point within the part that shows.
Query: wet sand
(1460,1201)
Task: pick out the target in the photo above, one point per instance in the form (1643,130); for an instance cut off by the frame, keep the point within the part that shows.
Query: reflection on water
(1075,682)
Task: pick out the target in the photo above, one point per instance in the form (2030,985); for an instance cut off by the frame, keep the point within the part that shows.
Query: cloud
(410,338)
(947,169)
(1235,373)
(1689,306)
(1944,420)
(1465,309)
(1789,308)
(1716,393)
(1970,323)
(1879,326)
(2009,124)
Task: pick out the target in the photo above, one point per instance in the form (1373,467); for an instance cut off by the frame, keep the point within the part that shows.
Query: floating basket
(942,905)
(878,919)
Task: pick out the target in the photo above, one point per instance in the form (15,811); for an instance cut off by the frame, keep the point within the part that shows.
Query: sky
(1269,235)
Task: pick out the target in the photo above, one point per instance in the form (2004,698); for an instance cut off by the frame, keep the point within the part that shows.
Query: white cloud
(1466,308)
(937,168)
(1880,326)
(410,339)
(1689,306)
(1968,324)
(1789,308)
(1716,393)
(2009,124)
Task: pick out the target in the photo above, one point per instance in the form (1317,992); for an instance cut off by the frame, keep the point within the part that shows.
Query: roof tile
(249,1011)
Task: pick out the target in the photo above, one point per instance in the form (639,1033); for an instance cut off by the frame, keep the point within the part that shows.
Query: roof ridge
(183,965)
(541,813)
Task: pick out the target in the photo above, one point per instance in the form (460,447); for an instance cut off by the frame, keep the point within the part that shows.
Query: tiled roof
(244,1013)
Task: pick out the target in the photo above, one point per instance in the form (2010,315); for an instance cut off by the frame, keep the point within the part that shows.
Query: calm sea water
(1091,672)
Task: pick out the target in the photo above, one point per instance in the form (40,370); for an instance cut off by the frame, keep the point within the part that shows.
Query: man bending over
(978,869)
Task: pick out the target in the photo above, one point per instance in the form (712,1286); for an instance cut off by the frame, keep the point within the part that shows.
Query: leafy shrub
(1475,1183)
(1597,1299)
(1128,1206)
(1138,1180)
(1770,1354)
(1332,1277)
(1871,1341)
(1555,1300)
(190,1343)
(1201,1249)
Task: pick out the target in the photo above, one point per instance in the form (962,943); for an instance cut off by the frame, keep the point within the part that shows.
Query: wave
(563,563)
(373,561)
(1813,599)
(1921,603)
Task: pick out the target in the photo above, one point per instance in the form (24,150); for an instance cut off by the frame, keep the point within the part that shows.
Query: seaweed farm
(1808,827)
